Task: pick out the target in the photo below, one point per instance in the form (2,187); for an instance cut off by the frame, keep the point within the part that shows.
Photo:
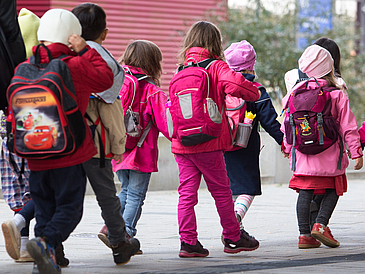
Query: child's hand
(77,43)
(118,158)
(358,163)
(286,155)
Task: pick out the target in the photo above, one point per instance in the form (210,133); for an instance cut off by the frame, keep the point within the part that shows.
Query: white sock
(19,221)
(23,242)
(242,204)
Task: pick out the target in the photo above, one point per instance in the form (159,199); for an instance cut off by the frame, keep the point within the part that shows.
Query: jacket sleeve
(157,101)
(348,125)
(267,115)
(93,70)
(234,83)
(362,133)
(112,117)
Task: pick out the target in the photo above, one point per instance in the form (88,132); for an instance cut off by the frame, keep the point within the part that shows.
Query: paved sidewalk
(271,219)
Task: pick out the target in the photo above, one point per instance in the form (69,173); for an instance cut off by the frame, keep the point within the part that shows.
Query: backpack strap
(144,134)
(101,145)
(293,147)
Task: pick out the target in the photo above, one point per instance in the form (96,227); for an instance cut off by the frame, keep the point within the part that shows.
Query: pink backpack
(193,117)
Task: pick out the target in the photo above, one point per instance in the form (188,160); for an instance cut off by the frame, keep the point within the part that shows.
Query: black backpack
(44,120)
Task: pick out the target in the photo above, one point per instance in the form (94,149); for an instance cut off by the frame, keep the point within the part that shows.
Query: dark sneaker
(190,251)
(44,256)
(245,243)
(324,235)
(123,251)
(61,260)
(308,242)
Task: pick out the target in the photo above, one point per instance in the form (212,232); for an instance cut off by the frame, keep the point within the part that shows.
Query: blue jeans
(134,188)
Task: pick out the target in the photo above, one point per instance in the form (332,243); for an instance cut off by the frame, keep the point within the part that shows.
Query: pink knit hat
(241,56)
(316,61)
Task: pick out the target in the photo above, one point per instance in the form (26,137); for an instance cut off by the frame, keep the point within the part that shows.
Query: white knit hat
(57,25)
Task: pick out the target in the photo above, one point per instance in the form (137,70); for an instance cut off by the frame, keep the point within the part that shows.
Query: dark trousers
(102,182)
(326,208)
(28,213)
(58,195)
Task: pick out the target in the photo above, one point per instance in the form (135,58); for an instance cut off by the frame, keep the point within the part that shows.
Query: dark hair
(205,35)
(92,19)
(333,48)
(145,55)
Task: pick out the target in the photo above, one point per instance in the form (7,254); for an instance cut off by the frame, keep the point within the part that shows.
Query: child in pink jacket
(134,172)
(203,41)
(320,171)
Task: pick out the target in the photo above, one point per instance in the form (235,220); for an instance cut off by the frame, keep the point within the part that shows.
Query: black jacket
(12,50)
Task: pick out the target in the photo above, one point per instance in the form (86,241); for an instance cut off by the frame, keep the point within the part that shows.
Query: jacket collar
(197,54)
(57,49)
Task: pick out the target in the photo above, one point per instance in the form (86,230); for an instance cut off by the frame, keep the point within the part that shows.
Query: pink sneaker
(324,235)
(308,242)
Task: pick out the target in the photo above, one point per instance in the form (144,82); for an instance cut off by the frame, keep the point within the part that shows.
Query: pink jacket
(145,158)
(224,81)
(325,163)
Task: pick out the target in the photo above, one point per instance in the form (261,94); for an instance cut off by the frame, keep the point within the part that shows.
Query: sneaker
(61,260)
(12,239)
(324,235)
(245,243)
(190,251)
(44,256)
(103,236)
(308,242)
(123,251)
(24,257)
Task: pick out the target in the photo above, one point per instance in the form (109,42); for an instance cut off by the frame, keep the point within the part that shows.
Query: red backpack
(310,126)
(195,116)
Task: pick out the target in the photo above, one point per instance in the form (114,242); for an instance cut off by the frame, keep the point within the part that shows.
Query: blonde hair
(205,35)
(331,79)
(145,55)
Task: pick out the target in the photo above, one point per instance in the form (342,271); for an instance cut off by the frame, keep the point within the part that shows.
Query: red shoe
(324,235)
(103,236)
(308,242)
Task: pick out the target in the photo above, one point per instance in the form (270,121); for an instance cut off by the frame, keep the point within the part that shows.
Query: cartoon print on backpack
(44,120)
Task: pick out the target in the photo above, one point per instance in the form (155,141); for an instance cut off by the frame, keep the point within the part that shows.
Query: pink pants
(213,168)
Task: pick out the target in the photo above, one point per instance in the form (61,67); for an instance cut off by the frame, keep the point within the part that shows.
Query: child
(107,108)
(320,171)
(57,186)
(134,172)
(291,80)
(204,41)
(243,163)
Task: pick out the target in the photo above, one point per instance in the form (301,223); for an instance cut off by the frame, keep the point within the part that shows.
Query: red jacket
(224,81)
(90,73)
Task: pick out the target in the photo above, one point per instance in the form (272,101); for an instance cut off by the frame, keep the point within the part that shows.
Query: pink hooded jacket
(325,163)
(224,81)
(144,158)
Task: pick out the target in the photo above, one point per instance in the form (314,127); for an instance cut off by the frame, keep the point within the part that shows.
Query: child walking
(242,164)
(144,58)
(106,113)
(325,170)
(204,41)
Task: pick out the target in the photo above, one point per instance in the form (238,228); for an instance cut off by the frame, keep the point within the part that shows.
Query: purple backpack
(193,117)
(311,128)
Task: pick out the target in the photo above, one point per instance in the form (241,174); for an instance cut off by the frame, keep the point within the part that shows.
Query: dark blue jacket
(243,164)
